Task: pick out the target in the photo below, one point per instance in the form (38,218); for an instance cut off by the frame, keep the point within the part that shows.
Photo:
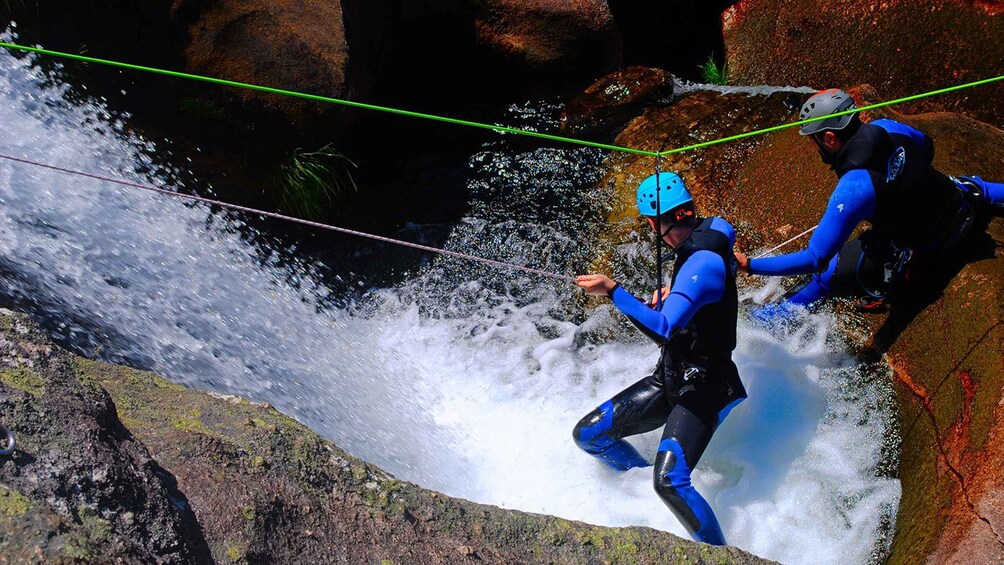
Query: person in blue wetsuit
(695,384)
(918,215)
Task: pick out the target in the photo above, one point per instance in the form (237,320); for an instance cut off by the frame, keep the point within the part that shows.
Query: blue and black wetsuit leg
(640,408)
(689,428)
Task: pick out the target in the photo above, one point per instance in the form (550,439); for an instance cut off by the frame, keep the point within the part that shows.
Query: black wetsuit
(918,215)
(693,388)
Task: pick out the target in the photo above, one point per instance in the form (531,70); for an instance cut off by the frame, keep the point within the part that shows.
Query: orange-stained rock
(902,47)
(712,173)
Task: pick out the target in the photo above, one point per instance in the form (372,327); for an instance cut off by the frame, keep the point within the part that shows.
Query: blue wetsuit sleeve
(852,201)
(701,281)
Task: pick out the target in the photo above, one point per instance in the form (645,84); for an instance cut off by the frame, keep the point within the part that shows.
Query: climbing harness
(7,440)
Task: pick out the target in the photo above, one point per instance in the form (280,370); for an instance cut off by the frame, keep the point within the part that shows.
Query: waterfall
(460,378)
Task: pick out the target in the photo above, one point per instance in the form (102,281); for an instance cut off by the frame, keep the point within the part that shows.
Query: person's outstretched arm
(852,201)
(701,281)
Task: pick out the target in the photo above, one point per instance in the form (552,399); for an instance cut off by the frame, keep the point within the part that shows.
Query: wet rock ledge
(119,465)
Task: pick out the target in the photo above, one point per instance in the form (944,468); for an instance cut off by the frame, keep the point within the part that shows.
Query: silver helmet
(824,103)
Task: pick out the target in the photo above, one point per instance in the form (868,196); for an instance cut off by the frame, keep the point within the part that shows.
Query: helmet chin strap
(662,232)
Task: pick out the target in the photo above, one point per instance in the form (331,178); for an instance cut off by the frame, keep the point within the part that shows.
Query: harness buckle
(690,374)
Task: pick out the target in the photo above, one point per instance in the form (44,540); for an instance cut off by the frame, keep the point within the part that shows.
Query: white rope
(782,244)
(298,220)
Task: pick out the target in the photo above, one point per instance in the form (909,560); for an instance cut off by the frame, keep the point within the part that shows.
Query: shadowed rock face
(168,474)
(943,341)
(712,174)
(676,36)
(288,45)
(547,36)
(902,47)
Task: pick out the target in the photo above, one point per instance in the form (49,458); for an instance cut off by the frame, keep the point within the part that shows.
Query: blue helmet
(672,194)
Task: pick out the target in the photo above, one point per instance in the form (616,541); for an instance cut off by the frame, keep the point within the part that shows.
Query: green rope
(834,115)
(314,97)
(497,128)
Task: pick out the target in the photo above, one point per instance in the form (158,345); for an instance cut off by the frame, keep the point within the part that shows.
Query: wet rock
(170,474)
(902,47)
(711,173)
(606,106)
(557,41)
(78,475)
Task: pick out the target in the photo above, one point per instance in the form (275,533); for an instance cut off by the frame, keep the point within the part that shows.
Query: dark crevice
(955,368)
(972,349)
(675,36)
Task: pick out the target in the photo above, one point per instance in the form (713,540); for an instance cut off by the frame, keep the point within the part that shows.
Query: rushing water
(462,379)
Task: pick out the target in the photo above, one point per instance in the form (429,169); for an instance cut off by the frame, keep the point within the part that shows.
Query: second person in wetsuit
(695,384)
(919,216)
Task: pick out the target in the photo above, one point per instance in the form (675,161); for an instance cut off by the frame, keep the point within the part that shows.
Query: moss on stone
(13,504)
(76,552)
(190,422)
(235,552)
(380,494)
(23,379)
(96,527)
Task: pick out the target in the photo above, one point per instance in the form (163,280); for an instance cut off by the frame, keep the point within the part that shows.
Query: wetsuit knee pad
(591,435)
(589,432)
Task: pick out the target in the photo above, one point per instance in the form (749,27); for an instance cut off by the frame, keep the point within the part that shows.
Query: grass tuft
(713,73)
(309,183)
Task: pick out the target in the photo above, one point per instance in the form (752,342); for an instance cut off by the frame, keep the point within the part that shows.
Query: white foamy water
(470,387)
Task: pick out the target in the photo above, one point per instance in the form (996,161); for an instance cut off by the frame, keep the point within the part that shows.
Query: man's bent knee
(589,432)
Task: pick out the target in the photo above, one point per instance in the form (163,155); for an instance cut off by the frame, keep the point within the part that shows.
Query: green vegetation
(308,183)
(13,503)
(23,379)
(713,73)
